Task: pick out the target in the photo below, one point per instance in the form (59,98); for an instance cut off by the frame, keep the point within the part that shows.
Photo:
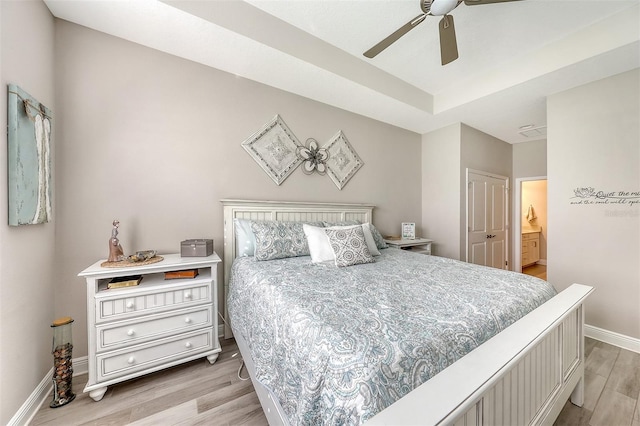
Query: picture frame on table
(408,230)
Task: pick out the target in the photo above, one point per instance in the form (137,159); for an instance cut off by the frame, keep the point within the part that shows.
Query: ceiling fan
(448,44)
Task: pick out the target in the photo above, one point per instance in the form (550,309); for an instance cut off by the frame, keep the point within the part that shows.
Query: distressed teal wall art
(29,159)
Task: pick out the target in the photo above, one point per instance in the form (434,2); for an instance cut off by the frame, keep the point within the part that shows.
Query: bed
(316,362)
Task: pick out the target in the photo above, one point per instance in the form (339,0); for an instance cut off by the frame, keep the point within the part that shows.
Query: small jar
(62,366)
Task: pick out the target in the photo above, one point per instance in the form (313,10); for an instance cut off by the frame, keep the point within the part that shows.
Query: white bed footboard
(522,376)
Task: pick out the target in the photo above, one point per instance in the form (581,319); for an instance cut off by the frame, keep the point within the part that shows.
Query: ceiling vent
(534,132)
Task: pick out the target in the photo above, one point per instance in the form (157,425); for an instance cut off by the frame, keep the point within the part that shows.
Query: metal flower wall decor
(313,157)
(277,150)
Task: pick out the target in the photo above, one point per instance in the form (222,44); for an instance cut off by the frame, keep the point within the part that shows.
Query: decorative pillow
(245,239)
(377,237)
(349,246)
(319,246)
(280,239)
(343,223)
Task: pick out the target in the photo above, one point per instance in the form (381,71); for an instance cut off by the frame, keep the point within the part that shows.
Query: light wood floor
(198,393)
(536,270)
(195,393)
(612,388)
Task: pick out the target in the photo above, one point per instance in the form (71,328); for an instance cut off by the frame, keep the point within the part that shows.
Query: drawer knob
(131,360)
(187,295)
(188,345)
(130,332)
(187,320)
(130,304)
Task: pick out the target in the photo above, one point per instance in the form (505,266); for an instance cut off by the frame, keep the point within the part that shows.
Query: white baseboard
(613,338)
(33,403)
(542,262)
(42,393)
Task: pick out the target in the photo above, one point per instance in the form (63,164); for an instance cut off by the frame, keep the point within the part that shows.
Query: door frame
(506,212)
(517,220)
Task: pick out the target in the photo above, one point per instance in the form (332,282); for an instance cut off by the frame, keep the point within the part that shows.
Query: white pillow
(245,238)
(320,248)
(371,242)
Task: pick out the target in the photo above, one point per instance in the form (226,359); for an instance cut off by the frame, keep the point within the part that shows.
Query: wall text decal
(589,196)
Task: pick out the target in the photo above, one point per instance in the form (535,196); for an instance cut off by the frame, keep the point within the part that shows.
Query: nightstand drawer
(131,302)
(530,236)
(160,353)
(140,330)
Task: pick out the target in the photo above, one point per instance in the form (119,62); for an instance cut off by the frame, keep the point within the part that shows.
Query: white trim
(42,393)
(31,406)
(517,215)
(613,338)
(542,262)
(80,365)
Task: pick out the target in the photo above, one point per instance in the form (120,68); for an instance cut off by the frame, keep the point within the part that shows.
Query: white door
(487,219)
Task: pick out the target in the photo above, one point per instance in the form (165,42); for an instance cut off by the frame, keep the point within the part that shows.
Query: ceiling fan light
(442,7)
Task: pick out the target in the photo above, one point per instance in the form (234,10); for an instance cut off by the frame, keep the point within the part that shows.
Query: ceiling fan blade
(448,44)
(477,2)
(393,37)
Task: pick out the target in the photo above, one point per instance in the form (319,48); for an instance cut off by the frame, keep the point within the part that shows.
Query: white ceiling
(512,54)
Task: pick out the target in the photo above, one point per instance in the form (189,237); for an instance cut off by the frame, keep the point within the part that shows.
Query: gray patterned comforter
(338,345)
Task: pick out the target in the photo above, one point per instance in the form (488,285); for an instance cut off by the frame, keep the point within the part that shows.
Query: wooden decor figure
(116,253)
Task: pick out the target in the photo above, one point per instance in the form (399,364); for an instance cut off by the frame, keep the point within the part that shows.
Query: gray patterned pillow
(349,246)
(377,237)
(277,240)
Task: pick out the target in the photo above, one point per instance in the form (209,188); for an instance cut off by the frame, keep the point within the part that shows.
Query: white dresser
(151,326)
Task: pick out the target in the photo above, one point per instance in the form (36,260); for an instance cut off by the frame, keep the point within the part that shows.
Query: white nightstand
(418,245)
(154,325)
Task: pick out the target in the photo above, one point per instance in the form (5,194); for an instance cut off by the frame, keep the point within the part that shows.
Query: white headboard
(280,211)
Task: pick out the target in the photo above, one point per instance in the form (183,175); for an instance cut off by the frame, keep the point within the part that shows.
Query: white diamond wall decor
(274,148)
(343,160)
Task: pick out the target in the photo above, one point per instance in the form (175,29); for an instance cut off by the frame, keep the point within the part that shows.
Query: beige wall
(530,159)
(446,155)
(534,193)
(155,141)
(26,253)
(593,134)
(441,190)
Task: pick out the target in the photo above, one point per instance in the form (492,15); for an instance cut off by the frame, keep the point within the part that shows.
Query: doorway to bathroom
(530,226)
